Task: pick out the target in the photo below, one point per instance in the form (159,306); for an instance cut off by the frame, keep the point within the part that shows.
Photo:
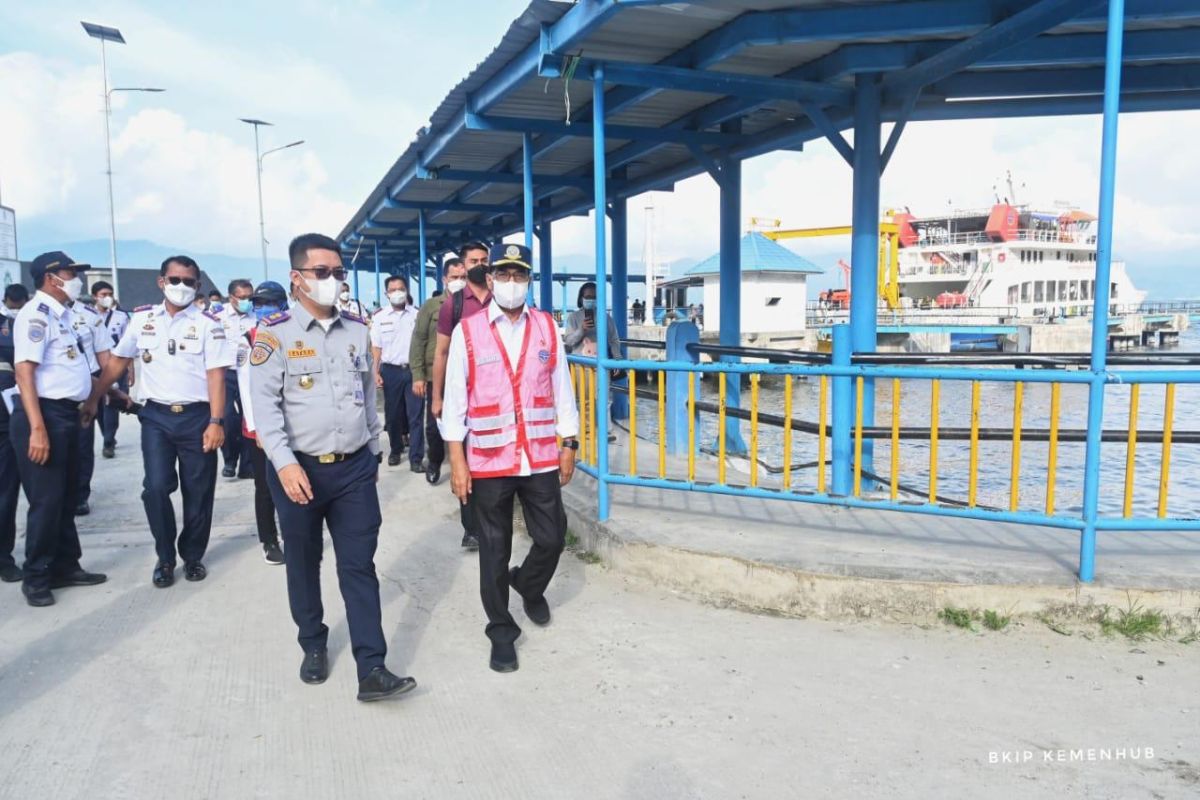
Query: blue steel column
(842,416)
(378,281)
(546,266)
(1108,178)
(730,319)
(527,180)
(619,213)
(422,259)
(354,266)
(864,242)
(599,176)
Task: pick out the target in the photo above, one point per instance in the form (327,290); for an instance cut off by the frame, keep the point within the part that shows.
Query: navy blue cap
(52,261)
(510,255)
(270,292)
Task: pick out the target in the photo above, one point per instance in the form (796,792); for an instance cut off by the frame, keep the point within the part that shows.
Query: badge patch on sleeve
(37,330)
(261,352)
(544,356)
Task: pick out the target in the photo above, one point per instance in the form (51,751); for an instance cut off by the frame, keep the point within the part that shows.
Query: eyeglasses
(321,273)
(175,280)
(506,276)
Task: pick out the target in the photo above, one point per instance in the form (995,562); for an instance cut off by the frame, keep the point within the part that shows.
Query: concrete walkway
(127,691)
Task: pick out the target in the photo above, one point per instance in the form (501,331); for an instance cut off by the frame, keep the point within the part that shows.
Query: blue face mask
(245,306)
(264,311)
(589,304)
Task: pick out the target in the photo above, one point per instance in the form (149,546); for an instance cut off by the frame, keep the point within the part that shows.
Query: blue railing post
(378,279)
(1099,361)
(842,448)
(618,212)
(679,336)
(600,190)
(546,266)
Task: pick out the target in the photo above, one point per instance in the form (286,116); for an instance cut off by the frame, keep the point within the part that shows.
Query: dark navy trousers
(237,448)
(345,499)
(403,412)
(87,461)
(10,488)
(110,418)
(174,457)
(51,540)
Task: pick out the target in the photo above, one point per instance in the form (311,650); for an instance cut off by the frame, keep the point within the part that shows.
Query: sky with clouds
(356,79)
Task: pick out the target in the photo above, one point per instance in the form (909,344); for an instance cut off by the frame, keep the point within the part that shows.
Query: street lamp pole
(261,225)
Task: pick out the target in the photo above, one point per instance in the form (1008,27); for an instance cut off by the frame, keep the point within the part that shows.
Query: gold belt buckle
(176,409)
(327,458)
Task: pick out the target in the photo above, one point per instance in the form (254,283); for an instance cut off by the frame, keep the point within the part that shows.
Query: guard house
(774,285)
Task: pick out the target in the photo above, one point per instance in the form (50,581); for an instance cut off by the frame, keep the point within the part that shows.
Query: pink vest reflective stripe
(510,411)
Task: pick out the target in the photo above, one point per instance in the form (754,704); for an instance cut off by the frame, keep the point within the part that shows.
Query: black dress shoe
(245,476)
(418,467)
(194,571)
(78,578)
(83,509)
(433,474)
(470,541)
(393,459)
(228,472)
(315,667)
(38,598)
(164,575)
(108,452)
(11,573)
(504,657)
(538,610)
(380,684)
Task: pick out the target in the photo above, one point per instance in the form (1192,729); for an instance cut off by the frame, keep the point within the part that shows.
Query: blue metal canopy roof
(760,254)
(689,83)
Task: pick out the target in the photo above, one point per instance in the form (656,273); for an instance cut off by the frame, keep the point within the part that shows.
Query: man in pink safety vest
(507,401)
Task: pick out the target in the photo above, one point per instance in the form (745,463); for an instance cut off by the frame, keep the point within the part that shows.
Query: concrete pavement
(127,691)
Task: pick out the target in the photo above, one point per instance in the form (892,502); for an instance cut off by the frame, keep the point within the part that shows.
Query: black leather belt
(176,408)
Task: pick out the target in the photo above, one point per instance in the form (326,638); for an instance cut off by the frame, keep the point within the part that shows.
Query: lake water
(996,410)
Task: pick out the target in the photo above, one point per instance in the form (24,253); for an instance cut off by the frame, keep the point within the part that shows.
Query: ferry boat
(1034,263)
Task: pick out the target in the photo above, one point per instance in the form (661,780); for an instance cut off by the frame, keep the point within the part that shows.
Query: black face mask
(478,275)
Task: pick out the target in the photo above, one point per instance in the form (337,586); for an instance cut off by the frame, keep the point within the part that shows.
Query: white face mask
(344,297)
(456,285)
(397,297)
(179,295)
(510,295)
(72,288)
(105,302)
(323,293)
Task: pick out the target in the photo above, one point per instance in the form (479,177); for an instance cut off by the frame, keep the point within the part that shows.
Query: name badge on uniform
(359,397)
(301,351)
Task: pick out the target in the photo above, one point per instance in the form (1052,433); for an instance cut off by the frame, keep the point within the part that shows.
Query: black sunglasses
(175,280)
(321,273)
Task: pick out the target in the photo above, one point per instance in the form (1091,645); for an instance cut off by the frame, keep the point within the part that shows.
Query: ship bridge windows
(1025,292)
(1012,295)
(1051,291)
(1039,292)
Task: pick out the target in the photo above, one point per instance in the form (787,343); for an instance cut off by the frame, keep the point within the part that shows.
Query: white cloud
(174,183)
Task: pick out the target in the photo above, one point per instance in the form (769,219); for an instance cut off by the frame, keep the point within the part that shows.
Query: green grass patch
(1134,622)
(995,621)
(958,617)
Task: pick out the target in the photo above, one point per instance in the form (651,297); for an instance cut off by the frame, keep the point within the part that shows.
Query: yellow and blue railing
(845,432)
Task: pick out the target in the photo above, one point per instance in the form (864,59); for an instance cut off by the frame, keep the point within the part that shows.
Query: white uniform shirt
(236,327)
(391,331)
(91,333)
(116,320)
(43,334)
(512,334)
(199,344)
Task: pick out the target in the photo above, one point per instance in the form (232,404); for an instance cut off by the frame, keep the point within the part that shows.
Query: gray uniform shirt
(312,391)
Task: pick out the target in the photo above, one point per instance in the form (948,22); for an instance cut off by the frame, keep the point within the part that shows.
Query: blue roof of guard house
(760,254)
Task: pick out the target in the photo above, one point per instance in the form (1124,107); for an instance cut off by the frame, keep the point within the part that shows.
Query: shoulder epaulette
(276,318)
(378,311)
(354,317)
(143,308)
(42,307)
(211,316)
(92,309)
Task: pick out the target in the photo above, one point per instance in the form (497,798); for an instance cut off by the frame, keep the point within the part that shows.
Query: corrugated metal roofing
(651,33)
(760,254)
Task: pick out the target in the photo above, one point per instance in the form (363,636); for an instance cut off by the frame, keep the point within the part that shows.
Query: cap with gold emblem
(514,255)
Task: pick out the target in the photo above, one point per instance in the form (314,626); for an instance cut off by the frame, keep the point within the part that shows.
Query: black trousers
(403,412)
(110,418)
(10,488)
(435,447)
(87,461)
(264,506)
(173,455)
(492,504)
(346,500)
(51,540)
(237,449)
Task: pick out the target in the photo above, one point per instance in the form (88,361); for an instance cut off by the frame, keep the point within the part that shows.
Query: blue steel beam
(448,174)
(1163,78)
(656,76)
(415,205)
(480,122)
(1021,26)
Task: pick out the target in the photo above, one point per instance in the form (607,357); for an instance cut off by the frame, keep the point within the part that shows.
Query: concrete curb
(725,580)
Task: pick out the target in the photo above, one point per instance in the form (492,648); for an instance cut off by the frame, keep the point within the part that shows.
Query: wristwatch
(570,443)
(216,421)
